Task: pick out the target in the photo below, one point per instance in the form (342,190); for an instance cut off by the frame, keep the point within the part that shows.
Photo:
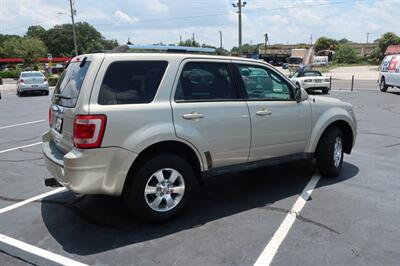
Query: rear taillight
(44,80)
(21,80)
(50,116)
(89,130)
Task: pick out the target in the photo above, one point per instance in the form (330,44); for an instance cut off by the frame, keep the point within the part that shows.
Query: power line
(208,15)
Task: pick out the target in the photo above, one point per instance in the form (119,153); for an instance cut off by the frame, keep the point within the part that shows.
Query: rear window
(131,82)
(70,84)
(30,75)
(310,74)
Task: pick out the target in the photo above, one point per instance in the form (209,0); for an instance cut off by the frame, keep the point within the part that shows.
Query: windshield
(70,84)
(295,60)
(31,74)
(311,74)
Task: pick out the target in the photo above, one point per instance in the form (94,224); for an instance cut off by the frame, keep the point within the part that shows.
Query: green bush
(53,81)
(345,54)
(9,74)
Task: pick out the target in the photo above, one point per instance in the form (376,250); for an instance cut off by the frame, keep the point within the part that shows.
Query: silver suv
(151,126)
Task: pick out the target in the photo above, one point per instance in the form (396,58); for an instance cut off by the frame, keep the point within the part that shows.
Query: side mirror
(300,94)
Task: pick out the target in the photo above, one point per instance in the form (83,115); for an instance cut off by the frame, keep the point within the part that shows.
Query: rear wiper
(61,96)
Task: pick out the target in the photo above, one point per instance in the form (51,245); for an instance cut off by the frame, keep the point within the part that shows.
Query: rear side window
(70,84)
(205,81)
(130,82)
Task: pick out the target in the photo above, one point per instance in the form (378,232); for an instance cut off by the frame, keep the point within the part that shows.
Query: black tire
(134,192)
(325,91)
(382,85)
(325,153)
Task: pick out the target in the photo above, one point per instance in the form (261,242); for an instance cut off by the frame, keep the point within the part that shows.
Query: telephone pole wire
(239,5)
(73,12)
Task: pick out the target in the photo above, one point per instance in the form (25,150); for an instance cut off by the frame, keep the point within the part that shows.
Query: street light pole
(220,39)
(239,5)
(73,27)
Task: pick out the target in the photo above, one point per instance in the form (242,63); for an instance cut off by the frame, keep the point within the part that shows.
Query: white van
(389,74)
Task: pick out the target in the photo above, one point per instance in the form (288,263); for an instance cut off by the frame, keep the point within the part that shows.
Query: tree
(246,49)
(37,32)
(387,39)
(344,40)
(59,40)
(27,48)
(189,42)
(324,43)
(345,54)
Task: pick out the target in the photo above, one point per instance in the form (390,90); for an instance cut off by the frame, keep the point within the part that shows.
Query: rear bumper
(315,86)
(30,87)
(91,171)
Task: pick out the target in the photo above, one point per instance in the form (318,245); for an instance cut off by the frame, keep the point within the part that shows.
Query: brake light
(21,80)
(88,131)
(44,80)
(50,116)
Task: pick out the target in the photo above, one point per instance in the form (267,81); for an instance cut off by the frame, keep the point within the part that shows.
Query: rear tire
(152,196)
(382,85)
(329,152)
(325,91)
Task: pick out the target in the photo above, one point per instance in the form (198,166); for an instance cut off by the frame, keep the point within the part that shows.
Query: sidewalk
(359,72)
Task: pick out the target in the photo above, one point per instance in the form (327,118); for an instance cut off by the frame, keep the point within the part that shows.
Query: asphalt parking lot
(350,220)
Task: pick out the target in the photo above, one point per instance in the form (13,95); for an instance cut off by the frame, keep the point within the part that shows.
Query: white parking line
(23,124)
(20,147)
(270,250)
(40,256)
(38,197)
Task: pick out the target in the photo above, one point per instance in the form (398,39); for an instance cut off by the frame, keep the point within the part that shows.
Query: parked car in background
(320,61)
(389,72)
(31,82)
(151,126)
(311,80)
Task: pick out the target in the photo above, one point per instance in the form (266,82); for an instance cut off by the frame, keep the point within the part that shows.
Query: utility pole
(239,5)
(193,40)
(368,36)
(311,39)
(180,39)
(73,12)
(220,39)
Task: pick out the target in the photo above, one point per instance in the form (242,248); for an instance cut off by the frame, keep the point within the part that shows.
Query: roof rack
(163,48)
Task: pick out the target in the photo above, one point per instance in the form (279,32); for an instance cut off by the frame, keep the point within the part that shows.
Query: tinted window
(31,74)
(70,83)
(205,81)
(130,82)
(264,84)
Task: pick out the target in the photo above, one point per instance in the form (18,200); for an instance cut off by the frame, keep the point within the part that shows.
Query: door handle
(263,112)
(193,116)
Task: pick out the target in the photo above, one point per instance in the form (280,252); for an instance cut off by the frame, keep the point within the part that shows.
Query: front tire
(329,152)
(160,189)
(382,85)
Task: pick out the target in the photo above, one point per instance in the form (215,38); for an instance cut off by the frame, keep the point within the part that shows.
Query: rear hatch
(65,104)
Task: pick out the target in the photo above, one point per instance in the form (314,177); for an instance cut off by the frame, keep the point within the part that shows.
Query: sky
(154,21)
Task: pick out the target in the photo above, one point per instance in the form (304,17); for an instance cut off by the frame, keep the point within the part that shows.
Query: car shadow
(394,92)
(93,224)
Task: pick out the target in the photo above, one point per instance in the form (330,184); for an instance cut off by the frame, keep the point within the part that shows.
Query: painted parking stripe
(20,147)
(38,197)
(33,254)
(23,124)
(270,250)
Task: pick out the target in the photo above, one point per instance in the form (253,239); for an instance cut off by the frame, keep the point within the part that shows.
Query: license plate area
(35,86)
(58,124)
(317,81)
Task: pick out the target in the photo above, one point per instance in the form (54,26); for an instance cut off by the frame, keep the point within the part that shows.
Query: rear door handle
(263,112)
(193,116)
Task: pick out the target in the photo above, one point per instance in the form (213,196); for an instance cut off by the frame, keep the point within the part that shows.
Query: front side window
(264,84)
(205,81)
(131,82)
